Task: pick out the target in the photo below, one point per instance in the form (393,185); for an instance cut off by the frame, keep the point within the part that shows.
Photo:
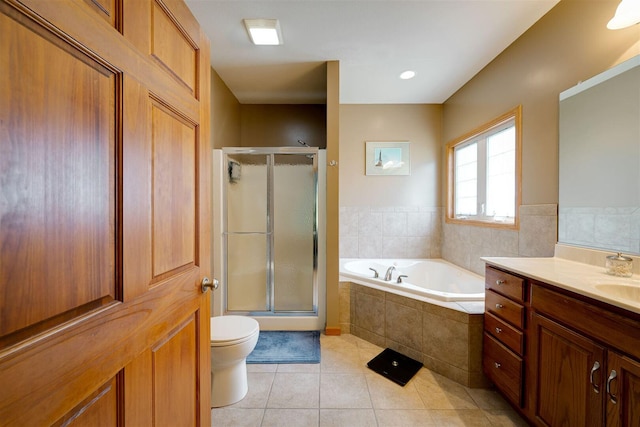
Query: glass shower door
(294,232)
(247,233)
(271,198)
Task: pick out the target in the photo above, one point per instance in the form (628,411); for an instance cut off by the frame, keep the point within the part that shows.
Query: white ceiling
(445,41)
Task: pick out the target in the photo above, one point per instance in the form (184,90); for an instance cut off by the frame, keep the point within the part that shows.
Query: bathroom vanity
(562,341)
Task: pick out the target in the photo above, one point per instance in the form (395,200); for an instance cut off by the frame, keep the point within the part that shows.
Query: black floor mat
(395,366)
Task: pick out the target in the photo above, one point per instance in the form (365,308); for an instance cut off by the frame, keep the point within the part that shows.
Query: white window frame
(479,136)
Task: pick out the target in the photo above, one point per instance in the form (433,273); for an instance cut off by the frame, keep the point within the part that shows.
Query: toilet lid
(232,329)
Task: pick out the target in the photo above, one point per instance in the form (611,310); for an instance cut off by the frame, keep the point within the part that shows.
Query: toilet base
(229,384)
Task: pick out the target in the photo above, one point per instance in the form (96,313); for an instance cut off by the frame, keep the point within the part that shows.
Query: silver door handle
(612,376)
(208,284)
(596,367)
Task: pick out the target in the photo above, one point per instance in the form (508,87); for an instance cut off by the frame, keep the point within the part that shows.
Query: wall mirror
(599,156)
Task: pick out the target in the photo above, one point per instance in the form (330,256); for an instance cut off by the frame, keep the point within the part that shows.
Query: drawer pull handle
(500,282)
(499,306)
(498,330)
(612,377)
(596,367)
(497,365)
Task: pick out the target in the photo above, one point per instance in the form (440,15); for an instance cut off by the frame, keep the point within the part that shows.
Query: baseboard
(332,330)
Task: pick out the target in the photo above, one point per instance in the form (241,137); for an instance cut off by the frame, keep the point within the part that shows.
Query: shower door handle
(208,284)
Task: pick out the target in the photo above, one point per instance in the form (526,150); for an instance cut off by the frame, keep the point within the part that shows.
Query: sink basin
(630,292)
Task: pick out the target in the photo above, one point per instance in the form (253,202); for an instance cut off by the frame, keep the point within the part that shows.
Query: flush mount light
(264,31)
(406,75)
(627,14)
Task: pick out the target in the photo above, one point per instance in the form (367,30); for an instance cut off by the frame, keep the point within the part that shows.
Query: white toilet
(232,339)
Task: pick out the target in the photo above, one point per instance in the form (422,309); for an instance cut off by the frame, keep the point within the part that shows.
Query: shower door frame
(271,153)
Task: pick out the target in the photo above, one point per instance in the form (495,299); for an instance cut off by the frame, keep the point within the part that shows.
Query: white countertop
(584,279)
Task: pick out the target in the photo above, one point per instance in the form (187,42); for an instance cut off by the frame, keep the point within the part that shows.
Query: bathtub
(430,279)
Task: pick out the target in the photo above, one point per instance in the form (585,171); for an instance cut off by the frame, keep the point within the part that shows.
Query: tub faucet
(400,277)
(375,272)
(387,275)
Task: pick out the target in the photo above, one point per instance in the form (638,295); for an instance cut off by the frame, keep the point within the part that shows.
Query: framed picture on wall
(387,158)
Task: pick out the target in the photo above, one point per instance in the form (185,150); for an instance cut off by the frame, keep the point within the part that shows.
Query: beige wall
(390,216)
(225,114)
(333,185)
(569,44)
(279,125)
(419,124)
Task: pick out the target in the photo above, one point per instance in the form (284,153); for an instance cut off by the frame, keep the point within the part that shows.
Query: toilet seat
(231,330)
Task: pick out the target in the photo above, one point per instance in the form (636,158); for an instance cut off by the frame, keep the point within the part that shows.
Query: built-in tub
(435,315)
(430,278)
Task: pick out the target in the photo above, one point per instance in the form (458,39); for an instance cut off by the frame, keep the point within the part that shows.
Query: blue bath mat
(286,347)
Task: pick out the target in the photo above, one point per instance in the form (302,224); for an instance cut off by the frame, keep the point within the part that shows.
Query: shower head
(301,142)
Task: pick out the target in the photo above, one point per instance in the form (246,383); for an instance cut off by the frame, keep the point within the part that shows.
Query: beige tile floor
(342,391)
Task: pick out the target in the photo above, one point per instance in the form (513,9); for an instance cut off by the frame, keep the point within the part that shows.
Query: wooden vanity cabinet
(503,338)
(561,358)
(583,357)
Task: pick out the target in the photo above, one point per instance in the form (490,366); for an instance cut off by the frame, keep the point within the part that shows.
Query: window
(484,174)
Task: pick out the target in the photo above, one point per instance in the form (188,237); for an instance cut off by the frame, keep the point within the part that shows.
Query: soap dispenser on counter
(619,265)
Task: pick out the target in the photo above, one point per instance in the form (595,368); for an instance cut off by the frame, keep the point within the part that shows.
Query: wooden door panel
(99,409)
(172,47)
(136,195)
(58,175)
(109,10)
(174,191)
(175,379)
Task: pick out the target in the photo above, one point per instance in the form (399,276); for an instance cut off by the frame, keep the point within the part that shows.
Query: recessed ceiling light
(264,31)
(406,75)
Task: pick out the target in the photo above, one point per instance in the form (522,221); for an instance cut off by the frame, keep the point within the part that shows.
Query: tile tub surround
(390,232)
(421,232)
(464,245)
(446,341)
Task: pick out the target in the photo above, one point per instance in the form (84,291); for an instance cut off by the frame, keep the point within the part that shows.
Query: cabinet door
(568,375)
(623,391)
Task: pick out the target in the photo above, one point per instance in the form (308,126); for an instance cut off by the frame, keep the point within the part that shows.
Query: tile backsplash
(610,228)
(420,232)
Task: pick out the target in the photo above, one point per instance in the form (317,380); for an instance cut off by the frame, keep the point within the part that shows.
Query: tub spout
(387,275)
(400,277)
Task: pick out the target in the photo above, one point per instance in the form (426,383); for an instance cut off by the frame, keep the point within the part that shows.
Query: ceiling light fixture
(627,14)
(406,75)
(264,31)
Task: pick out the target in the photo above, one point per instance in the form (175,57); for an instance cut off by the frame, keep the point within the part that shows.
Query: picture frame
(387,158)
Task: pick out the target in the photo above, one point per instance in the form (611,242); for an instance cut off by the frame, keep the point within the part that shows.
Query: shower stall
(269,235)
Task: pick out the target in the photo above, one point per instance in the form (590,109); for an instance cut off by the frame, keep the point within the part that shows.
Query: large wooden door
(104,213)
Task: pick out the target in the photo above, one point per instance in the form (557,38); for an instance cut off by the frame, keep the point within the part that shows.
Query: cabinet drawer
(504,308)
(503,368)
(505,333)
(504,283)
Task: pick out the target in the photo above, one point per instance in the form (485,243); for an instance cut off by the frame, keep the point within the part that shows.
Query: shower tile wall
(420,232)
(390,232)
